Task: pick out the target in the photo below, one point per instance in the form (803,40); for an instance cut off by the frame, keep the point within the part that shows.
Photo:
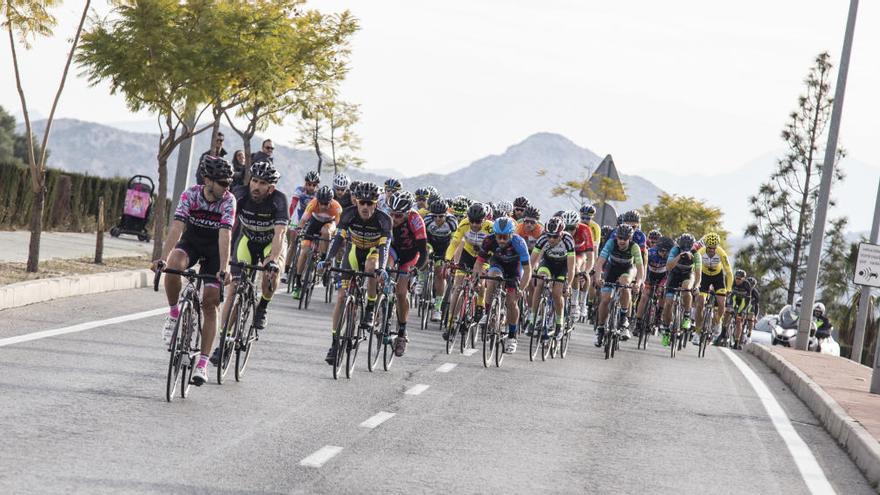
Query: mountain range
(101,150)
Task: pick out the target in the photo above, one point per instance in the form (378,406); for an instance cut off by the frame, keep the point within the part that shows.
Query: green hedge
(16,199)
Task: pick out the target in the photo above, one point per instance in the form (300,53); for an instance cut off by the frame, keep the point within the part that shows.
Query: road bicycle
(291,271)
(649,319)
(494,332)
(709,305)
(675,332)
(611,340)
(239,332)
(381,335)
(462,320)
(545,322)
(350,328)
(310,271)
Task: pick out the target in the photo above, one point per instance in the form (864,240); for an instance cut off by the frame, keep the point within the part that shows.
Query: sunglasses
(366,203)
(519,209)
(270,148)
(397,214)
(529,222)
(623,239)
(502,237)
(322,203)
(553,236)
(312,184)
(223,183)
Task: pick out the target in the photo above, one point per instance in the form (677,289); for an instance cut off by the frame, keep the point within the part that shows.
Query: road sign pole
(812,277)
(862,318)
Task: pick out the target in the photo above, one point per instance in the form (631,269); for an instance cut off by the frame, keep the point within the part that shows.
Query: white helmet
(820,308)
(341,181)
(797,302)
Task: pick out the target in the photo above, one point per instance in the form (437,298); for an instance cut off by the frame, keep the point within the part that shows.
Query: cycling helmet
(422,193)
(797,303)
(217,169)
(620,219)
(685,242)
(521,202)
(588,211)
(432,191)
(504,226)
(324,194)
(654,235)
(341,181)
(476,212)
(711,240)
(490,208)
(313,177)
(392,184)
(438,206)
(753,282)
(632,216)
(459,207)
(559,213)
(401,201)
(606,231)
(624,231)
(367,191)
(665,244)
(503,208)
(354,185)
(265,171)
(820,308)
(555,226)
(571,219)
(532,213)
(740,273)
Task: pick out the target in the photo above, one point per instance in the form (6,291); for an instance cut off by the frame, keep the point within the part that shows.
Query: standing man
(265,153)
(217,150)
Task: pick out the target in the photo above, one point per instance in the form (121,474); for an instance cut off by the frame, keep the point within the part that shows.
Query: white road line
(417,389)
(81,326)
(377,419)
(445,368)
(470,352)
(320,456)
(809,468)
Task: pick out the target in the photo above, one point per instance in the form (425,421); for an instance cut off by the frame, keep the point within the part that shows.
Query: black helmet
(624,231)
(588,211)
(217,169)
(265,171)
(422,193)
(438,206)
(606,231)
(367,191)
(632,216)
(476,212)
(620,219)
(739,273)
(665,244)
(555,225)
(752,282)
(324,194)
(521,202)
(685,242)
(313,176)
(354,185)
(654,235)
(532,213)
(392,184)
(401,201)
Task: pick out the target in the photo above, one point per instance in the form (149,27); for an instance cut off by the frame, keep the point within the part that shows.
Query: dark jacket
(200,173)
(261,156)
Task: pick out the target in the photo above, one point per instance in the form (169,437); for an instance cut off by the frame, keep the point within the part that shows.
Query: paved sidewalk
(14,246)
(847,382)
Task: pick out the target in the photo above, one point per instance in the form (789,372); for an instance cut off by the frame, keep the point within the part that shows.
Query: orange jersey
(321,213)
(530,237)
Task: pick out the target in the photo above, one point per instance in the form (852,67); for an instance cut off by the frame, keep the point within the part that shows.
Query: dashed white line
(321,456)
(377,419)
(445,368)
(810,470)
(81,326)
(470,352)
(417,389)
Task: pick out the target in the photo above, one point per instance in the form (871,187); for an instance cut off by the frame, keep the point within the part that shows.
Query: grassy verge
(11,273)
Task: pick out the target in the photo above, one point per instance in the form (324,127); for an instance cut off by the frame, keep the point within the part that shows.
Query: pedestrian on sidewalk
(265,154)
(217,150)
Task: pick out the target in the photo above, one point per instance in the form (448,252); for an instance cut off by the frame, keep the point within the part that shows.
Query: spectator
(265,154)
(215,150)
(238,168)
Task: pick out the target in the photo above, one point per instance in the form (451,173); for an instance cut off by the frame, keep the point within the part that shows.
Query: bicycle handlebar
(347,271)
(189,274)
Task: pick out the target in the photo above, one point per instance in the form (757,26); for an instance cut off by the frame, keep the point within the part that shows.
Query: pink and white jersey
(204,219)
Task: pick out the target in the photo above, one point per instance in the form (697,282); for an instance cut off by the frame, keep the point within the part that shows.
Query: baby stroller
(137,209)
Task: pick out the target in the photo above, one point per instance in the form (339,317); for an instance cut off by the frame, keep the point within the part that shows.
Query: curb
(48,289)
(862,447)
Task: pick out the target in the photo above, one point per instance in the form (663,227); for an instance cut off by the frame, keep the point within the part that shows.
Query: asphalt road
(85,413)
(14,245)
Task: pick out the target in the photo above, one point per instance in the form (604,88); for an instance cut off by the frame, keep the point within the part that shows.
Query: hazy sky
(681,85)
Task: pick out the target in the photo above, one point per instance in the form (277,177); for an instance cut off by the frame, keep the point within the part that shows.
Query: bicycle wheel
(704,342)
(488,336)
(563,343)
(458,323)
(387,339)
(615,343)
(175,358)
(246,340)
(342,332)
(291,274)
(374,338)
(192,350)
(535,339)
(230,331)
(355,336)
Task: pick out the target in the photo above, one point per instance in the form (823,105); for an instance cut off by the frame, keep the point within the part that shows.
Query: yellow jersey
(713,265)
(596,230)
(472,240)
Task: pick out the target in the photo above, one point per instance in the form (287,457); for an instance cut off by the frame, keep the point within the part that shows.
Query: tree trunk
(159,223)
(36,228)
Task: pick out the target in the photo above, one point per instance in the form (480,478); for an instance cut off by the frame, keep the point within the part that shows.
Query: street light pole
(862,317)
(812,277)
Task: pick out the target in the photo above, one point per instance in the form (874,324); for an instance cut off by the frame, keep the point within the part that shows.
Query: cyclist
(459,207)
(587,213)
(682,266)
(529,226)
(261,215)
(369,232)
(463,250)
(502,209)
(740,301)
(585,257)
(341,193)
(653,237)
(409,249)
(716,273)
(554,255)
(201,232)
(320,219)
(422,195)
(392,185)
(656,276)
(440,225)
(508,257)
(302,195)
(520,205)
(616,262)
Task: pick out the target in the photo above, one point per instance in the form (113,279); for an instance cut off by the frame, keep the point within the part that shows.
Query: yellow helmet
(711,240)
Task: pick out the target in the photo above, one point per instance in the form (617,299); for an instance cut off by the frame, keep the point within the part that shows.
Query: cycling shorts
(715,281)
(676,280)
(511,273)
(207,255)
(357,259)
(313,228)
(613,272)
(655,279)
(405,261)
(248,252)
(555,271)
